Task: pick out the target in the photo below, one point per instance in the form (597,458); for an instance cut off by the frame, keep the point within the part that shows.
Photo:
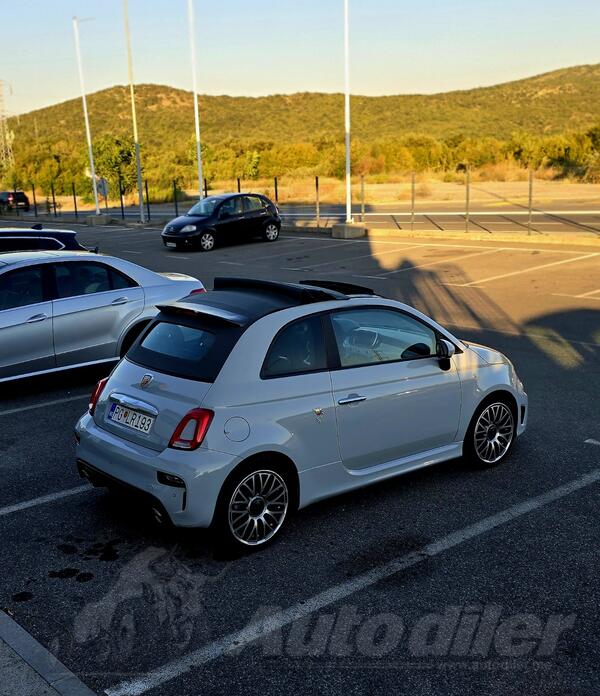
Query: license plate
(171,244)
(130,418)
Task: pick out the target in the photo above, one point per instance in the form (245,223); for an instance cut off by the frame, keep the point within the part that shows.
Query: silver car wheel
(207,241)
(494,432)
(271,233)
(258,507)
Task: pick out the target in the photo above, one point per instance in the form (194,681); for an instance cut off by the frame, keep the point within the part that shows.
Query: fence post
(205,189)
(276,190)
(413,188)
(147,199)
(53,197)
(15,197)
(35,213)
(317,202)
(175,198)
(239,185)
(121,197)
(74,199)
(530,201)
(467,198)
(362,198)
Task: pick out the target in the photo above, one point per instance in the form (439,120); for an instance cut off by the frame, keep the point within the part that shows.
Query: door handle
(37,317)
(120,300)
(352,399)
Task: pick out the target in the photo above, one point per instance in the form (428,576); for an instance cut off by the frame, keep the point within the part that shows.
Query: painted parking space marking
(591,441)
(348,259)
(253,632)
(441,261)
(54,402)
(43,499)
(528,270)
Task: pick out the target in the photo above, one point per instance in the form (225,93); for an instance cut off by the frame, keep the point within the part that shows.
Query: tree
(114,157)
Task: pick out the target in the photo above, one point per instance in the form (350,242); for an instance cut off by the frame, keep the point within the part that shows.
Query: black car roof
(242,301)
(29,232)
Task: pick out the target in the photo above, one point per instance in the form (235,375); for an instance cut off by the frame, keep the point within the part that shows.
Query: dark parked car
(9,200)
(221,218)
(37,238)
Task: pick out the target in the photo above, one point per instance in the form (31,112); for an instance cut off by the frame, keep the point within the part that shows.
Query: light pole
(191,23)
(136,141)
(347,112)
(85,113)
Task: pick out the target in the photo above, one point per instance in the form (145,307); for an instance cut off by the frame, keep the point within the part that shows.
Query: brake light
(198,291)
(191,430)
(99,388)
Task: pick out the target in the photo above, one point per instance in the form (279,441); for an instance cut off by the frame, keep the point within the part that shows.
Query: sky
(284,46)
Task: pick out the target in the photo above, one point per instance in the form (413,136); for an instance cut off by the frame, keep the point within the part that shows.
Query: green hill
(302,133)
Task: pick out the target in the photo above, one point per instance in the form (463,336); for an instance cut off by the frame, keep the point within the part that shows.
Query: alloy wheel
(207,241)
(258,507)
(271,233)
(494,432)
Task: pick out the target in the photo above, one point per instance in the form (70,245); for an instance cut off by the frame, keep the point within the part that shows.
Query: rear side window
(190,350)
(29,244)
(21,288)
(297,348)
(252,203)
(119,281)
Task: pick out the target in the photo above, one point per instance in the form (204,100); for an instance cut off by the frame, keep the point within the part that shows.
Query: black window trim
(54,285)
(337,363)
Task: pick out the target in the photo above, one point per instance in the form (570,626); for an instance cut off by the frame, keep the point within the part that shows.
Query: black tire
(266,516)
(485,443)
(271,232)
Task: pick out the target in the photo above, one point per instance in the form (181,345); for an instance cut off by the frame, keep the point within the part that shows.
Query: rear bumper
(109,460)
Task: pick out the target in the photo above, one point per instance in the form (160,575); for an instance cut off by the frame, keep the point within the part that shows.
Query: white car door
(393,396)
(93,305)
(25,322)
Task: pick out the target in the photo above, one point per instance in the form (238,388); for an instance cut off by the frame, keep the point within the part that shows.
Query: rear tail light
(198,291)
(99,388)
(191,430)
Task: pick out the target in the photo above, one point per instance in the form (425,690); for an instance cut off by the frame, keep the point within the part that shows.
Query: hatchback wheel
(253,508)
(207,241)
(491,433)
(271,233)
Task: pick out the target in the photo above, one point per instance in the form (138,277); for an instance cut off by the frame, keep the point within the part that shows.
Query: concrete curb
(57,676)
(576,238)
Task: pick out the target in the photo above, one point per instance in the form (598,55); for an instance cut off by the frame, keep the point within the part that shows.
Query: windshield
(203,208)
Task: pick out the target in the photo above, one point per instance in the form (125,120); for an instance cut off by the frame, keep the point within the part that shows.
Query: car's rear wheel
(271,232)
(253,507)
(207,241)
(492,433)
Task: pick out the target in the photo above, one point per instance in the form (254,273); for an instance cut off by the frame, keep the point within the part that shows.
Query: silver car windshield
(204,208)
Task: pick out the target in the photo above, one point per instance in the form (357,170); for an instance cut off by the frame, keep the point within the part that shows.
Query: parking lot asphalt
(449,580)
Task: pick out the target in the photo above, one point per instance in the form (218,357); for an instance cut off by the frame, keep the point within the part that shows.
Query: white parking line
(253,632)
(527,270)
(436,263)
(373,255)
(20,409)
(591,441)
(588,294)
(9,509)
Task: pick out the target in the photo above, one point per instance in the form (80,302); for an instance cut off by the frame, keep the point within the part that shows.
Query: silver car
(63,309)
(237,407)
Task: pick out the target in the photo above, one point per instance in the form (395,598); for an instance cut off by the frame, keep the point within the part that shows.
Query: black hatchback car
(39,239)
(9,200)
(223,218)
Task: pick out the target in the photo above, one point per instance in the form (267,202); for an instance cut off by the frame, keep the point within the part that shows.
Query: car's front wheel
(207,241)
(253,507)
(271,232)
(491,434)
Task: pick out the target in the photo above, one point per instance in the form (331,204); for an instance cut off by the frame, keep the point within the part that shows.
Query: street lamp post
(347,112)
(192,30)
(85,113)
(133,114)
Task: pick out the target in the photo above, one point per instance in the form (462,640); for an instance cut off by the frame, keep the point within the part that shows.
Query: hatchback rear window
(191,351)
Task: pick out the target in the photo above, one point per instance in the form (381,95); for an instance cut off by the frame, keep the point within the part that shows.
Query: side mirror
(445,349)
